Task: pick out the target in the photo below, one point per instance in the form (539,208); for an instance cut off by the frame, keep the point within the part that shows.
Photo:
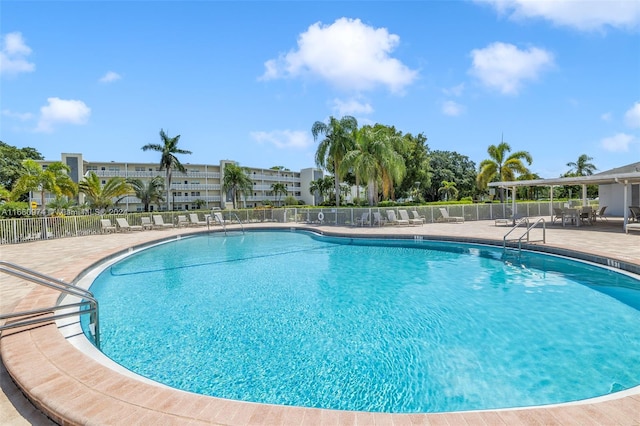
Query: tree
(501,167)
(149,192)
(449,190)
(53,179)
(278,189)
(452,167)
(338,140)
(374,161)
(237,181)
(11,159)
(582,167)
(103,196)
(322,186)
(168,160)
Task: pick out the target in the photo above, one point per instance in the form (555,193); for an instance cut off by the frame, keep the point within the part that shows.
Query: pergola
(606,178)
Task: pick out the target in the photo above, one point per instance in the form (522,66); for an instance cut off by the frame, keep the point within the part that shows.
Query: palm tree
(338,140)
(149,192)
(448,189)
(168,160)
(278,189)
(322,186)
(501,167)
(582,167)
(237,181)
(374,160)
(53,179)
(102,196)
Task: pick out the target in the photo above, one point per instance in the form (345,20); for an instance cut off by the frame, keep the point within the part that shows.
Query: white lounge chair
(446,218)
(106,226)
(364,220)
(404,215)
(123,224)
(632,227)
(391,215)
(193,218)
(217,216)
(417,217)
(182,221)
(158,222)
(146,222)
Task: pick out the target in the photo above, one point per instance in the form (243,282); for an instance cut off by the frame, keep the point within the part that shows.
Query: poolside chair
(364,220)
(182,221)
(123,224)
(404,215)
(378,220)
(391,215)
(416,217)
(446,218)
(158,222)
(557,215)
(193,218)
(635,213)
(632,227)
(146,222)
(600,214)
(218,218)
(106,226)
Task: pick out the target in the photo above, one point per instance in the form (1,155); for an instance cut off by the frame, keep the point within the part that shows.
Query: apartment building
(201,184)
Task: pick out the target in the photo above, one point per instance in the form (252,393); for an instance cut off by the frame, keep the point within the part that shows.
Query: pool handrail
(526,232)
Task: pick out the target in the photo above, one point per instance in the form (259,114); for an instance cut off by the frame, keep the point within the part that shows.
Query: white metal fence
(21,230)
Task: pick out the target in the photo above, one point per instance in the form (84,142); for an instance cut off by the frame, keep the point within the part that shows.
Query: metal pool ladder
(37,316)
(222,221)
(526,233)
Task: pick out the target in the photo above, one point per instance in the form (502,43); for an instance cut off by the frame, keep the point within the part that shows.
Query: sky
(246,80)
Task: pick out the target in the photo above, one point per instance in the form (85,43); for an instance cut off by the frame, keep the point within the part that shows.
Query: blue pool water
(373,325)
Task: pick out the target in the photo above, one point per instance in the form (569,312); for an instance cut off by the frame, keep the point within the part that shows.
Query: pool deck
(73,388)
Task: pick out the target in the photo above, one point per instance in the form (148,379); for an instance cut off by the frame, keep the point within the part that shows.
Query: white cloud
(617,143)
(607,116)
(504,67)
(347,54)
(22,116)
(110,77)
(284,138)
(452,108)
(62,111)
(351,107)
(584,15)
(454,91)
(632,116)
(13,56)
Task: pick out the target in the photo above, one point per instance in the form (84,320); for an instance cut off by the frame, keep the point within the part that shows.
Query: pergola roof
(629,174)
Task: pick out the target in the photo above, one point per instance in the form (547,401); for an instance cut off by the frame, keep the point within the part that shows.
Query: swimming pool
(394,326)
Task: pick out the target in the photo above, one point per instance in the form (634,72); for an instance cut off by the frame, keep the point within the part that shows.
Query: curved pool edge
(72,388)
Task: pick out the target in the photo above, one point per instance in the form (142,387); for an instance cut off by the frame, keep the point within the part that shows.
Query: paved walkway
(67,258)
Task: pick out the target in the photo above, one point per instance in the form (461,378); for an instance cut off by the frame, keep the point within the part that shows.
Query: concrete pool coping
(73,388)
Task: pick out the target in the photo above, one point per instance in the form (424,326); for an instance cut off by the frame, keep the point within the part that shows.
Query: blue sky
(245,81)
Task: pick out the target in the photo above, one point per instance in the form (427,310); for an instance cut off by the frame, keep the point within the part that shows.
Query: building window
(139,169)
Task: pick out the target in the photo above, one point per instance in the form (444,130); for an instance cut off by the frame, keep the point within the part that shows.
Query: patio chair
(635,213)
(378,220)
(391,215)
(600,214)
(586,215)
(158,222)
(632,227)
(364,220)
(416,217)
(146,222)
(123,224)
(193,218)
(404,215)
(557,215)
(217,216)
(446,218)
(106,226)
(182,221)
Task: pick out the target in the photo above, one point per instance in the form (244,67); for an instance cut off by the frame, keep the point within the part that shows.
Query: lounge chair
(182,221)
(635,213)
(146,222)
(106,226)
(217,216)
(378,220)
(416,217)
(600,214)
(391,215)
(193,218)
(632,227)
(404,215)
(446,218)
(123,224)
(364,220)
(158,222)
